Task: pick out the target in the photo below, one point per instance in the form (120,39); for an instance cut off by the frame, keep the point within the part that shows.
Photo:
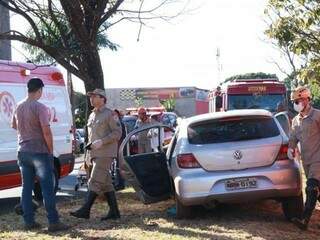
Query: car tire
(37,188)
(292,207)
(183,211)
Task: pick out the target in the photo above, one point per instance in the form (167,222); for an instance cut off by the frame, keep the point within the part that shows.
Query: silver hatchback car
(225,157)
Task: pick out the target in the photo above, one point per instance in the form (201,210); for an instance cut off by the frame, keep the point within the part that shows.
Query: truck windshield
(268,102)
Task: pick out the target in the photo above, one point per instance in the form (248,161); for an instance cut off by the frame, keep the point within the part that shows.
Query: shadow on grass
(7,204)
(263,220)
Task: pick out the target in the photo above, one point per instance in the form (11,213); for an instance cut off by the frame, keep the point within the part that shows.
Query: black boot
(113,206)
(84,211)
(301,223)
(121,184)
(310,204)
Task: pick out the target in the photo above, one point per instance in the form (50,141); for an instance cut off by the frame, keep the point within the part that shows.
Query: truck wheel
(37,188)
(292,207)
(183,211)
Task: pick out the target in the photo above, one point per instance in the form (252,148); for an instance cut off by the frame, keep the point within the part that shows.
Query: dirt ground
(263,220)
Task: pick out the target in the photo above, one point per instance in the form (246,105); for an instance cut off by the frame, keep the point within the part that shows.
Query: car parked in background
(129,121)
(225,157)
(167,118)
(80,139)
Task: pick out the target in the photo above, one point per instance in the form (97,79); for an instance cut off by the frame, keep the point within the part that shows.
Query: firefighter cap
(300,92)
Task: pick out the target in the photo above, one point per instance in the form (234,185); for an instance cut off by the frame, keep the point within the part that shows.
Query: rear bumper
(196,187)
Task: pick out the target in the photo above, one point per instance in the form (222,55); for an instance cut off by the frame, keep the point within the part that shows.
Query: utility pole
(5,45)
(219,65)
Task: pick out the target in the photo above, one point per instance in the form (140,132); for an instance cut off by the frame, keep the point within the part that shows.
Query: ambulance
(13,88)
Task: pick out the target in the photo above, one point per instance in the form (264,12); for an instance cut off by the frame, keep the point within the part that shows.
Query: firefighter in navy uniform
(306,131)
(104,132)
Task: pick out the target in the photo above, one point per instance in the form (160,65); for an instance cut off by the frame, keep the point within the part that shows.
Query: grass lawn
(262,220)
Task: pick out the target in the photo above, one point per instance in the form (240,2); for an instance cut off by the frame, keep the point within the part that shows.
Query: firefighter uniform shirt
(104,124)
(306,130)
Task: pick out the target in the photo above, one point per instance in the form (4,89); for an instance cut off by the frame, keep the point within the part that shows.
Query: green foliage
(169,103)
(315,90)
(258,75)
(295,25)
(138,102)
(51,36)
(291,81)
(80,103)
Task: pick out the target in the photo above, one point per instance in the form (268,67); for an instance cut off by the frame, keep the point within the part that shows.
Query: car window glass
(172,147)
(282,119)
(232,129)
(249,101)
(146,141)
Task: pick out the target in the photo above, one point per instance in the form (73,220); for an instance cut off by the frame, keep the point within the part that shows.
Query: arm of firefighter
(46,130)
(116,131)
(293,140)
(14,122)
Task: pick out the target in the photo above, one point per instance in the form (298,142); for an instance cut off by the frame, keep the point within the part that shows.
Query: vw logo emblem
(237,155)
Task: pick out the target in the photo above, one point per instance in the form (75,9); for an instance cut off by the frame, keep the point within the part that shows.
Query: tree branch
(20,12)
(110,12)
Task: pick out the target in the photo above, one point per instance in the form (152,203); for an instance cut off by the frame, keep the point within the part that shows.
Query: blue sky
(183,52)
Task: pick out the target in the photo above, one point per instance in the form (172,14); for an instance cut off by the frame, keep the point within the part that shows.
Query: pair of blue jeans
(38,165)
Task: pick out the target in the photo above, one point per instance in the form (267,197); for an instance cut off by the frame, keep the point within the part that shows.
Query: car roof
(130,117)
(169,113)
(231,113)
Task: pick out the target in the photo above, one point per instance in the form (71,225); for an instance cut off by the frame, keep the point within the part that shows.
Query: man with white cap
(104,132)
(306,131)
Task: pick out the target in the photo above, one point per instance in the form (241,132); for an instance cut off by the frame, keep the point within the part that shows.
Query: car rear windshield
(232,129)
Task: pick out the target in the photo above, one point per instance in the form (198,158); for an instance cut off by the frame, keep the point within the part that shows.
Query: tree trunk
(92,69)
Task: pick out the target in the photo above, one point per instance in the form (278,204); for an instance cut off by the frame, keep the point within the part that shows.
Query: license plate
(240,183)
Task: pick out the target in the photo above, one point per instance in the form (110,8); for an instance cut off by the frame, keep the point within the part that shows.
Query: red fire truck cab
(269,94)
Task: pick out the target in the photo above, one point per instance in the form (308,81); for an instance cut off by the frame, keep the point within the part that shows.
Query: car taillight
(283,152)
(187,160)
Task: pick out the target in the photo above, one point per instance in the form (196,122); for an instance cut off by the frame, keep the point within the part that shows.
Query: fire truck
(269,94)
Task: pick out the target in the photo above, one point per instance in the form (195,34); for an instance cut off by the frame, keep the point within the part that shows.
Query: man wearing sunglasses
(306,131)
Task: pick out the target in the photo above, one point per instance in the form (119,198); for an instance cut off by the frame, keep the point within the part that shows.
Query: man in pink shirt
(35,155)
